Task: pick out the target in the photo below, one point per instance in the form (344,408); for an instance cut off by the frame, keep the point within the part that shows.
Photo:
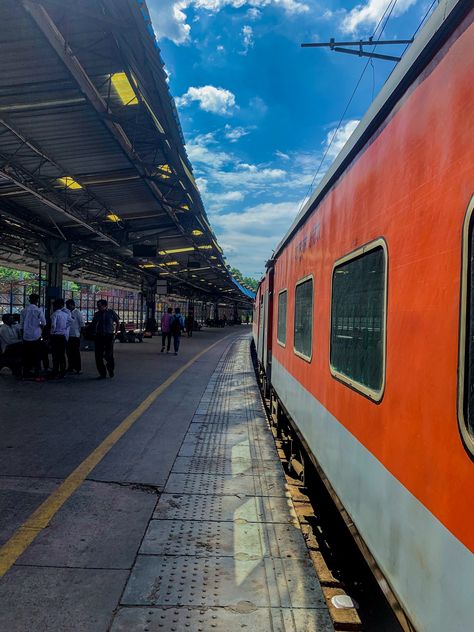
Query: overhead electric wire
(390,7)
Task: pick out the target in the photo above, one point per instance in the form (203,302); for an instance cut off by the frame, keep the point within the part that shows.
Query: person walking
(104,325)
(73,348)
(166,330)
(176,327)
(32,320)
(11,345)
(60,324)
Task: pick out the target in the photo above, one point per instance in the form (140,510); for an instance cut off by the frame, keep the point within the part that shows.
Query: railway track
(343,572)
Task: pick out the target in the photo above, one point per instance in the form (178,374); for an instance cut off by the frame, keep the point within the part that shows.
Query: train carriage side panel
(399,466)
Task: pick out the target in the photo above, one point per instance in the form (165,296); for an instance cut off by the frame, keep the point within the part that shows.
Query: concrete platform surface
(224,550)
(186,523)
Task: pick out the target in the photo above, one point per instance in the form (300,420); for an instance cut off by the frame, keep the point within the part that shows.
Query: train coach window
(303,328)
(466,344)
(281,322)
(358,309)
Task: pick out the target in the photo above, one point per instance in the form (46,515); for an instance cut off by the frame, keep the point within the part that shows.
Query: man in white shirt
(32,321)
(73,344)
(60,323)
(11,346)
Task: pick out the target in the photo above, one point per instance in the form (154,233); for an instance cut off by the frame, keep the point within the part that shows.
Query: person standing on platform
(189,323)
(104,325)
(11,345)
(60,324)
(166,330)
(176,327)
(32,321)
(73,348)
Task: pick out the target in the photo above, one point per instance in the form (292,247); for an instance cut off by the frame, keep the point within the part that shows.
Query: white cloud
(368,14)
(248,236)
(247,37)
(169,20)
(253,14)
(335,140)
(200,154)
(210,99)
(258,105)
(169,17)
(282,155)
(235,133)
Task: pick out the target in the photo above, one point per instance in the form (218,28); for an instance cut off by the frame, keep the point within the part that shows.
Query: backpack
(175,326)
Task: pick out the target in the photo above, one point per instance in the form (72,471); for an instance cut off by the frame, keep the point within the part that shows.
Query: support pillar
(55,253)
(150,321)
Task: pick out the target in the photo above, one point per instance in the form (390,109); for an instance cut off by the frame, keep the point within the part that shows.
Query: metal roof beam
(27,184)
(64,52)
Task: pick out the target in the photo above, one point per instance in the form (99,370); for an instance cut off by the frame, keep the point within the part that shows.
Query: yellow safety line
(41,517)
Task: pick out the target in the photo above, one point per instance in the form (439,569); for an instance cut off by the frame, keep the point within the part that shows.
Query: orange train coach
(364,328)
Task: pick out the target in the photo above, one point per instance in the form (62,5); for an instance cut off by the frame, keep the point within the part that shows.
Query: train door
(261,329)
(265,332)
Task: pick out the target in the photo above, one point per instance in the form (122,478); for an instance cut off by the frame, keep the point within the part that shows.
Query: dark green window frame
(466,334)
(303,321)
(282,317)
(358,328)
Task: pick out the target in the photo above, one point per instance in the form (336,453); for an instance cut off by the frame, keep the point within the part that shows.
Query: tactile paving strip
(265,485)
(228,467)
(239,539)
(231,619)
(226,508)
(224,550)
(222,581)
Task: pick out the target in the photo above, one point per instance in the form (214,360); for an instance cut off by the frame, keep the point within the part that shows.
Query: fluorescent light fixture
(174,251)
(213,257)
(69,183)
(112,217)
(124,88)
(197,233)
(149,265)
(184,207)
(171,263)
(205,247)
(163,171)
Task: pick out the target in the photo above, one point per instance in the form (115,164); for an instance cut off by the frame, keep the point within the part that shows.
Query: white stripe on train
(428,568)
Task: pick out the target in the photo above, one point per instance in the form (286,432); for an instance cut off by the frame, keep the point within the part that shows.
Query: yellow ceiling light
(149,265)
(219,265)
(163,171)
(112,217)
(171,263)
(124,88)
(69,183)
(184,207)
(197,233)
(213,257)
(174,251)
(164,273)
(205,247)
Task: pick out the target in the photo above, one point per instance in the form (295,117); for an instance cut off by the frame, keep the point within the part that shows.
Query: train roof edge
(438,28)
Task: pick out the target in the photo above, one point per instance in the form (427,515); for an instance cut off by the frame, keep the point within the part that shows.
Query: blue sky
(258,111)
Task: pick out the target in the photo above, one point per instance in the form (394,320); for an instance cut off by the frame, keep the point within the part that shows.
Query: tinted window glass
(469,355)
(304,317)
(358,319)
(281,326)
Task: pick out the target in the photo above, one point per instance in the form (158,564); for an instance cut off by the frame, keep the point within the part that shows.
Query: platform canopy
(93,167)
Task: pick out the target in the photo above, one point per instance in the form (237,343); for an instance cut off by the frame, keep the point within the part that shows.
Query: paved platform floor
(184,525)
